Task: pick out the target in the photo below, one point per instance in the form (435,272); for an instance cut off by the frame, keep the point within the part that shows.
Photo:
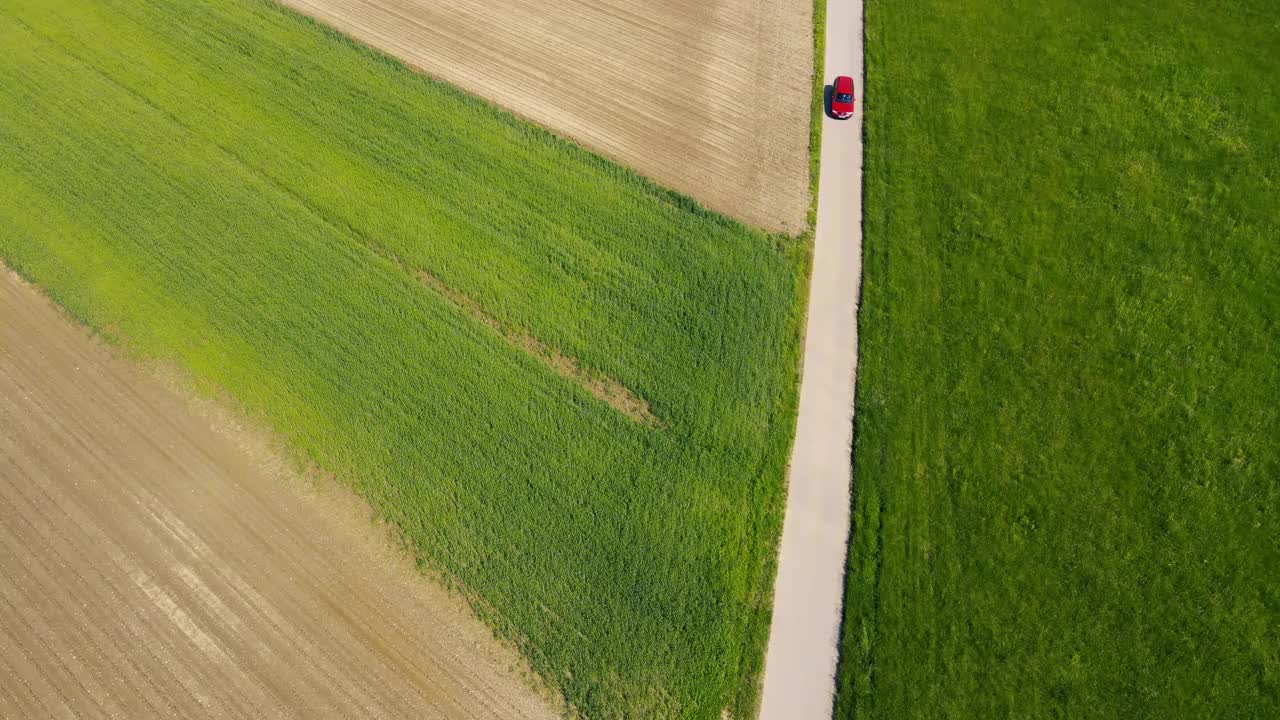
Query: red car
(842,97)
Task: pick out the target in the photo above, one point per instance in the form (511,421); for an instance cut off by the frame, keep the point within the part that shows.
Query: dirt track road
(150,566)
(708,97)
(799,677)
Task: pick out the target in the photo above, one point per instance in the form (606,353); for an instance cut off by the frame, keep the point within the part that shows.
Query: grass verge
(1067,464)
(818,110)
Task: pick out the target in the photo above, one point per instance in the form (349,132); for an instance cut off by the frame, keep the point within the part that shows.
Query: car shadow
(827,92)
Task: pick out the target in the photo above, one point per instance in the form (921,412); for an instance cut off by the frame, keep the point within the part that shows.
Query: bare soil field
(156,561)
(708,97)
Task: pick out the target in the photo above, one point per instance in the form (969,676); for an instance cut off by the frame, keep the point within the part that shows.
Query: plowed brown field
(153,566)
(709,97)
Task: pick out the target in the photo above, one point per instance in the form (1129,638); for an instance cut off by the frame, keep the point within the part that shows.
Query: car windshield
(844,97)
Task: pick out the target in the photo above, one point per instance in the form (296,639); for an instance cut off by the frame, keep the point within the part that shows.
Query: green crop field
(226,186)
(1068,443)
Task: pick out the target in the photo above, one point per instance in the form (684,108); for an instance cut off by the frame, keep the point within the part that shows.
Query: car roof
(844,84)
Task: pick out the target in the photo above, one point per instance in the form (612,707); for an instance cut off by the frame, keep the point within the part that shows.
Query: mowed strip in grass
(1068,441)
(230,187)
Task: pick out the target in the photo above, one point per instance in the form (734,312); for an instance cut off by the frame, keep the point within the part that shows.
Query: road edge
(803,648)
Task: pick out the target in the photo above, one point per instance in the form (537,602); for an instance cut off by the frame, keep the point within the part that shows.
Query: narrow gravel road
(152,567)
(799,676)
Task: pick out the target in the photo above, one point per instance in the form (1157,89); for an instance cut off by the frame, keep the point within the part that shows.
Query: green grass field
(1068,442)
(226,186)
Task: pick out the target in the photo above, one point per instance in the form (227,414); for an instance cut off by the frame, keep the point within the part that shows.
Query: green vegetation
(817,110)
(1068,442)
(225,185)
